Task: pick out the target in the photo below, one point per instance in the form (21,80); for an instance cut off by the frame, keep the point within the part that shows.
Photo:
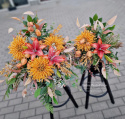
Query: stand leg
(67,89)
(82,79)
(109,91)
(88,90)
(51,115)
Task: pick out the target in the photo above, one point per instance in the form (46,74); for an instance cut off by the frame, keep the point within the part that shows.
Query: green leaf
(25,47)
(74,85)
(25,23)
(24,30)
(58,73)
(29,18)
(11,81)
(37,92)
(49,107)
(111,28)
(108,59)
(58,93)
(44,26)
(104,24)
(76,80)
(66,77)
(69,42)
(95,17)
(91,21)
(54,100)
(100,19)
(35,20)
(43,90)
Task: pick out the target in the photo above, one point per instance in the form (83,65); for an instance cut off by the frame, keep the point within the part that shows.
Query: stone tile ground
(65,12)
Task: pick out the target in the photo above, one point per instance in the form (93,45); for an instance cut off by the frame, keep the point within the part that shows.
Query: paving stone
(119,93)
(36,117)
(21,107)
(122,109)
(82,110)
(120,117)
(29,98)
(3,104)
(70,104)
(27,113)
(78,117)
(11,96)
(15,101)
(12,116)
(47,116)
(95,115)
(35,104)
(110,113)
(67,113)
(118,102)
(91,100)
(6,110)
(120,85)
(41,110)
(2,117)
(99,106)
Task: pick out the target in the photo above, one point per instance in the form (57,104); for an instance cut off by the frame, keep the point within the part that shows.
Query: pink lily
(100,48)
(34,49)
(54,57)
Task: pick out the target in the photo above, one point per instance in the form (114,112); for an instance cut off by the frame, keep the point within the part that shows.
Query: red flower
(100,48)
(34,49)
(54,57)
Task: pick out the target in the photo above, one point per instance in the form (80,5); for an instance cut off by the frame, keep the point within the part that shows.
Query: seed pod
(19,65)
(27,55)
(82,41)
(30,29)
(38,33)
(78,54)
(89,54)
(23,61)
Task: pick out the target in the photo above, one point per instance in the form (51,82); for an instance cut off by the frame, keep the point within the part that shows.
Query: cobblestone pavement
(65,12)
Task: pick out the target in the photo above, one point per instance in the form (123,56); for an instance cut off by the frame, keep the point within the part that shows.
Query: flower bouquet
(39,60)
(94,46)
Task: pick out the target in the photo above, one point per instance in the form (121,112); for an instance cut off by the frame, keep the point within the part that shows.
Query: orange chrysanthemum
(84,40)
(16,47)
(55,41)
(40,69)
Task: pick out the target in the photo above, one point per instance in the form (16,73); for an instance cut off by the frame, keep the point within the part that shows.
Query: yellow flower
(16,47)
(55,41)
(40,69)
(84,40)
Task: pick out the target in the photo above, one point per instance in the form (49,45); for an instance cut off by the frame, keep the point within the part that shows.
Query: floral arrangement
(41,59)
(95,45)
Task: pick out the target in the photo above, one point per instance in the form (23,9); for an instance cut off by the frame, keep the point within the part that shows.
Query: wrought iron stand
(68,91)
(87,91)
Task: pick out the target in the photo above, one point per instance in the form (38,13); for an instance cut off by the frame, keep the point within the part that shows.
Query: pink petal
(33,56)
(58,59)
(42,46)
(99,41)
(112,20)
(51,62)
(95,51)
(28,52)
(107,31)
(95,25)
(45,56)
(58,64)
(105,46)
(35,83)
(107,51)
(57,52)
(95,45)
(100,53)
(35,44)
(40,26)
(39,53)
(29,45)
(51,51)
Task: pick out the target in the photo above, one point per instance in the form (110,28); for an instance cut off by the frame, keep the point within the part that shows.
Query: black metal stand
(89,86)
(70,96)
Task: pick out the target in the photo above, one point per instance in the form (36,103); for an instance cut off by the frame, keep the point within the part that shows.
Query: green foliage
(24,30)
(95,17)
(37,92)
(25,23)
(11,81)
(111,28)
(43,90)
(49,107)
(58,73)
(100,19)
(29,18)
(58,93)
(54,100)
(91,21)
(35,19)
